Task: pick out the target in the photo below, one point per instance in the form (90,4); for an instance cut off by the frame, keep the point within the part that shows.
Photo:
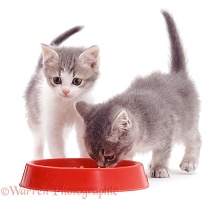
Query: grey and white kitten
(151,115)
(63,76)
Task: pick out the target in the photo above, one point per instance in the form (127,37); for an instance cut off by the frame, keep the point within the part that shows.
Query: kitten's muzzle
(102,164)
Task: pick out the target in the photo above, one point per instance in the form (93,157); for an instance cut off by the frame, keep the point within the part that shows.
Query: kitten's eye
(111,157)
(77,81)
(57,80)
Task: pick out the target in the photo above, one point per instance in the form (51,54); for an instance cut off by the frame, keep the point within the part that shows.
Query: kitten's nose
(65,91)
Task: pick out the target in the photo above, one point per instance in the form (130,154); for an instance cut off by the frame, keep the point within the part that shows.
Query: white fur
(57,113)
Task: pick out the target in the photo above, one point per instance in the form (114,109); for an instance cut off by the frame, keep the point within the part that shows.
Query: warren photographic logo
(56,191)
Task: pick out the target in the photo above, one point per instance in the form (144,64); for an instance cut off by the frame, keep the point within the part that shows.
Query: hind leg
(190,159)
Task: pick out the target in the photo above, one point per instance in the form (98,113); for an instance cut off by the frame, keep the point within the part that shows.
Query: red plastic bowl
(83,175)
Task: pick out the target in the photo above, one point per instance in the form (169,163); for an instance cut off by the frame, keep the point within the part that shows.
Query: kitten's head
(70,72)
(109,133)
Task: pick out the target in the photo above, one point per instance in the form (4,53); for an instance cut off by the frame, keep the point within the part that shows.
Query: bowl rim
(32,163)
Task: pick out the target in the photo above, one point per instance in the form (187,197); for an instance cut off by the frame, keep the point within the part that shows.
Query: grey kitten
(152,114)
(63,76)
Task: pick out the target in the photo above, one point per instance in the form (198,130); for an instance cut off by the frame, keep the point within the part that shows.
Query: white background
(133,40)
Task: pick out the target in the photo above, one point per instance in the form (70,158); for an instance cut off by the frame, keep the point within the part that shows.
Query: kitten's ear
(83,108)
(122,122)
(121,125)
(50,57)
(90,57)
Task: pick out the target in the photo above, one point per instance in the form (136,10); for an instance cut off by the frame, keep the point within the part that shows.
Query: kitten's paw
(159,172)
(188,166)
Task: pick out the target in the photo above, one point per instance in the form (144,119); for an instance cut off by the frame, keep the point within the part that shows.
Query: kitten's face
(70,72)
(108,134)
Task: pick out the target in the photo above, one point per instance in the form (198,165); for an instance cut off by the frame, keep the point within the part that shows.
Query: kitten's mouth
(106,165)
(112,165)
(66,97)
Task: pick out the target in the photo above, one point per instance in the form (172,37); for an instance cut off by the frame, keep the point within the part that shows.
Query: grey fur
(66,63)
(152,114)
(60,39)
(64,36)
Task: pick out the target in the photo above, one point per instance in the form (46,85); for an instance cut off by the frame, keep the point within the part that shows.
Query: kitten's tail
(178,60)
(61,38)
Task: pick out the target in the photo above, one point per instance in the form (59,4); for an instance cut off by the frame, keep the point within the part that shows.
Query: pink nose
(65,91)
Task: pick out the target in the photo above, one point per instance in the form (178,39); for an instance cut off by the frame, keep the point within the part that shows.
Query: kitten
(63,76)
(152,114)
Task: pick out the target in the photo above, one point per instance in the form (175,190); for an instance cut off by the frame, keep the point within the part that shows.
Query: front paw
(188,166)
(159,172)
